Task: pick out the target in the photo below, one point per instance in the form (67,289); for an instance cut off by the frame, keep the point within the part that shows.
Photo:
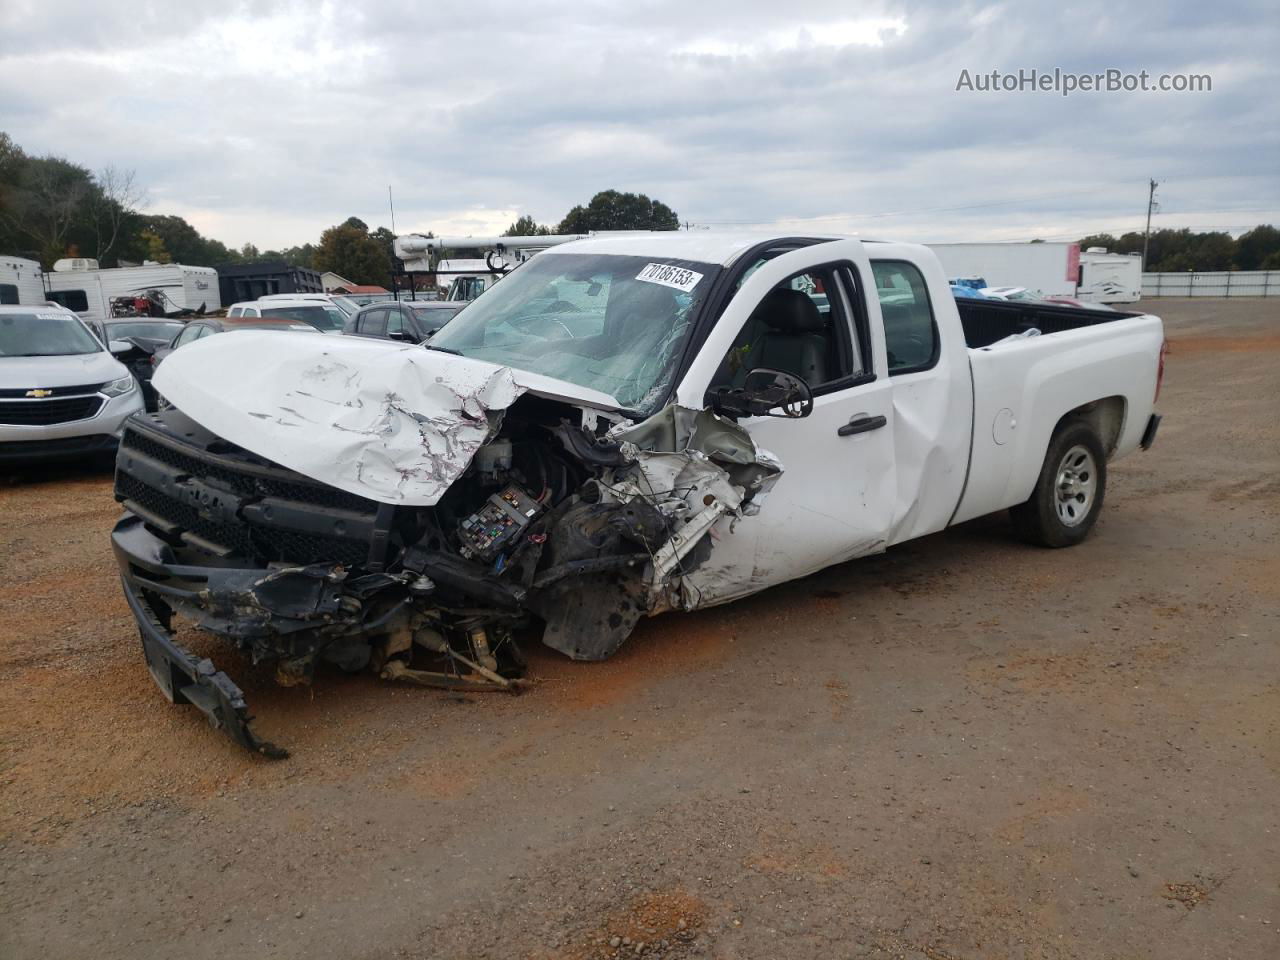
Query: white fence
(1222,283)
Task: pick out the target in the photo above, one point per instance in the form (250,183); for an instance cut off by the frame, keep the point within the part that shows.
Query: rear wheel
(1069,492)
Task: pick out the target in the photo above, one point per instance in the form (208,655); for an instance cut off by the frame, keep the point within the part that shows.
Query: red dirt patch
(666,644)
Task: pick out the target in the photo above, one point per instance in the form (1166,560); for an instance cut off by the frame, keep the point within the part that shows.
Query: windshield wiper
(456,353)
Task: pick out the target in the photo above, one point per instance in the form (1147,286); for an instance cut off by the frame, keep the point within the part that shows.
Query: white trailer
(1052,268)
(20,282)
(80,286)
(1110,277)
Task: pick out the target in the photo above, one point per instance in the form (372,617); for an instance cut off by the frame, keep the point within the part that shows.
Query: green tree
(1098,240)
(611,210)
(1257,247)
(47,202)
(183,242)
(155,247)
(526,226)
(350,251)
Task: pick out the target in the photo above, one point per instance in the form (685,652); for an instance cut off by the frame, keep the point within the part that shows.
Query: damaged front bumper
(582,532)
(182,677)
(290,614)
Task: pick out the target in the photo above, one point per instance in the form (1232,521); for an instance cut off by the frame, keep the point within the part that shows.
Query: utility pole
(1151,205)
(391,253)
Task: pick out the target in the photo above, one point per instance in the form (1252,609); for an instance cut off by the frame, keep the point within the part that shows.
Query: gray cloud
(268,121)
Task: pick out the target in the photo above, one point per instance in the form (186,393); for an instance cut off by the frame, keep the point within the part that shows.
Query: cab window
(910,331)
(804,326)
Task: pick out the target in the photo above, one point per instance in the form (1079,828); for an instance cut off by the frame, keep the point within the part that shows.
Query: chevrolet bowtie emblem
(39,393)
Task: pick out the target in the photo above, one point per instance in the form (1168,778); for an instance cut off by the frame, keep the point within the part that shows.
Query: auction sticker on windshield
(669,276)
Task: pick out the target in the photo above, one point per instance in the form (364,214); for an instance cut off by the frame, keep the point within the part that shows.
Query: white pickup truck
(623,426)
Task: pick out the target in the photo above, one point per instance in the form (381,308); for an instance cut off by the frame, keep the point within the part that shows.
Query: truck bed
(987,321)
(1094,363)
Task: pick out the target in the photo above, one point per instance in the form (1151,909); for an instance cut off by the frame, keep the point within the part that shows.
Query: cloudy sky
(267,121)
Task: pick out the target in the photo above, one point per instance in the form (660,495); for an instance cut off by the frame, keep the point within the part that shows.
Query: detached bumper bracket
(185,678)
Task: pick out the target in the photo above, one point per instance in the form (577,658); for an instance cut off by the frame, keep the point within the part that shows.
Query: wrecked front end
(560,519)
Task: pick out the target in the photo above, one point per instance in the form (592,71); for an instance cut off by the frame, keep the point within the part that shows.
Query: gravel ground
(966,748)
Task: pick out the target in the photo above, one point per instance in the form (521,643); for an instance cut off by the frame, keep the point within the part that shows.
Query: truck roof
(703,247)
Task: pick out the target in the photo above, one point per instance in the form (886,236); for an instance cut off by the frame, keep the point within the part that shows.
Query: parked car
(345,304)
(625,426)
(143,337)
(411,321)
(62,393)
(324,316)
(207,326)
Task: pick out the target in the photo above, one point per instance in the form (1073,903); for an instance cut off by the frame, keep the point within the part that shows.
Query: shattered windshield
(610,323)
(44,335)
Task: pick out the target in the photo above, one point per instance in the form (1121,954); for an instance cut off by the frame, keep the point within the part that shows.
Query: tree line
(1177,251)
(51,208)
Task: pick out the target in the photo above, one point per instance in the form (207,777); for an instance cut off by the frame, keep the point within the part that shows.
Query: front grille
(44,412)
(244,483)
(172,518)
(19,392)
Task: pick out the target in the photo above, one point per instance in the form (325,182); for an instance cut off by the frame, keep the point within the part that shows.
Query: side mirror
(764,393)
(119,346)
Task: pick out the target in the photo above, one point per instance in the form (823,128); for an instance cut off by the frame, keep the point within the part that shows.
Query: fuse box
(494,528)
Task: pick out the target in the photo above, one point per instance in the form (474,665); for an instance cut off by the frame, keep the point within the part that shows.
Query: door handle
(861,425)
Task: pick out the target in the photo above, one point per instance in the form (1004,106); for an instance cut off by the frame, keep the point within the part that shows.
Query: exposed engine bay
(564,519)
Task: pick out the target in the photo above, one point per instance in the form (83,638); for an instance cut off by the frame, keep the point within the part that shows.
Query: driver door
(804,312)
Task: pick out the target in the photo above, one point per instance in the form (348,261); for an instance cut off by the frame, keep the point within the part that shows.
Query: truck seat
(794,341)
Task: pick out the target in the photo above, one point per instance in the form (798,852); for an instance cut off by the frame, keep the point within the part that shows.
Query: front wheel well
(1106,416)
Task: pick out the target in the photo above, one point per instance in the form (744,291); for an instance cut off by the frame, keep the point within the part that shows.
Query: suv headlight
(118,388)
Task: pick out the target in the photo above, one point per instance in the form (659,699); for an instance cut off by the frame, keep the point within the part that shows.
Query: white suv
(322,315)
(345,304)
(62,393)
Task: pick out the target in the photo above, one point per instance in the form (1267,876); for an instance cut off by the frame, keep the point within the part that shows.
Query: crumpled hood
(396,424)
(70,371)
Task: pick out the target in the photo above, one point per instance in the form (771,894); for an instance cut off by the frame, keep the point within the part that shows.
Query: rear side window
(187,335)
(910,331)
(235,311)
(71,299)
(373,323)
(8,293)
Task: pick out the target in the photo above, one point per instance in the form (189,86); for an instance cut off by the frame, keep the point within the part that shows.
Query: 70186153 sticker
(669,276)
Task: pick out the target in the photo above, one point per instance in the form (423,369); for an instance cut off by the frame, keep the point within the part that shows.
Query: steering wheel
(562,306)
(524,322)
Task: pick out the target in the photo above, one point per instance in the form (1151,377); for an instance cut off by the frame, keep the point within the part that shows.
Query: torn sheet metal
(691,435)
(395,424)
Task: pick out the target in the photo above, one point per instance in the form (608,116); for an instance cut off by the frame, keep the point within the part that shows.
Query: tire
(1069,491)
